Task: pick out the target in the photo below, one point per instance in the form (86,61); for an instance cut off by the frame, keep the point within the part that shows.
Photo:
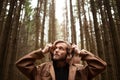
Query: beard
(58,58)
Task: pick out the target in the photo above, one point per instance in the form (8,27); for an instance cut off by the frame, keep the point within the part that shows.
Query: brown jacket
(45,71)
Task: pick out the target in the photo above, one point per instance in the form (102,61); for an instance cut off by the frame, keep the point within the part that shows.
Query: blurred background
(27,25)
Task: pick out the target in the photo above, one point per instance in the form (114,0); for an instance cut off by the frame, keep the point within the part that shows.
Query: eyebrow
(61,47)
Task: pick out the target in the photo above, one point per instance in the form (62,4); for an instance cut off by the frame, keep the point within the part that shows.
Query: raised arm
(26,63)
(95,65)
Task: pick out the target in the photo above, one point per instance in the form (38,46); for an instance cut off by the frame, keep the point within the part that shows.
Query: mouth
(55,55)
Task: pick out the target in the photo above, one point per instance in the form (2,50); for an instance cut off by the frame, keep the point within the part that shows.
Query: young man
(61,67)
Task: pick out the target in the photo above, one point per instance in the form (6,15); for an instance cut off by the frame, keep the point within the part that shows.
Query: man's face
(60,52)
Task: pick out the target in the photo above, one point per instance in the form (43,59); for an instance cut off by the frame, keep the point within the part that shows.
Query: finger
(73,46)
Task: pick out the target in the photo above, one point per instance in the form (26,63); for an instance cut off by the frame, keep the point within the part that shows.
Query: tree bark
(38,23)
(118,7)
(2,14)
(73,30)
(100,49)
(13,47)
(114,35)
(43,24)
(5,35)
(80,23)
(52,36)
(107,46)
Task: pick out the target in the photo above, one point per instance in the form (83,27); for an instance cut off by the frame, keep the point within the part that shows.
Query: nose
(56,50)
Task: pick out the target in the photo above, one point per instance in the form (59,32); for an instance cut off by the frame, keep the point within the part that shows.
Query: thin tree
(3,13)
(5,35)
(51,35)
(43,24)
(80,23)
(13,47)
(100,48)
(73,30)
(38,22)
(66,20)
(114,35)
(118,7)
(107,45)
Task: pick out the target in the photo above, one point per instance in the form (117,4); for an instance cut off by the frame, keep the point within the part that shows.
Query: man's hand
(79,52)
(75,49)
(47,48)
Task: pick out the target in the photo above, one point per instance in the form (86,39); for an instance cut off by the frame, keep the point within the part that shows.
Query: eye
(61,48)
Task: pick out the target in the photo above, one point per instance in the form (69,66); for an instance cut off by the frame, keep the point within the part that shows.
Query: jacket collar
(52,72)
(72,72)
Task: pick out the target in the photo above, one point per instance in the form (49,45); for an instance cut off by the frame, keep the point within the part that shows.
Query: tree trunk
(118,7)
(38,23)
(5,35)
(52,36)
(100,49)
(116,17)
(114,36)
(1,5)
(86,31)
(2,15)
(91,32)
(107,46)
(13,48)
(43,24)
(66,21)
(73,30)
(80,24)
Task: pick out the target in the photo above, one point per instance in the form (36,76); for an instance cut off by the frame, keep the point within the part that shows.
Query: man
(62,67)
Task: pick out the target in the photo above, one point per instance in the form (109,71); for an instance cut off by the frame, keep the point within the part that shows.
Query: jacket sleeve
(26,63)
(95,65)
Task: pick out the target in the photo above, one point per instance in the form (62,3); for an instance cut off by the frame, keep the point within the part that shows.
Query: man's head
(61,50)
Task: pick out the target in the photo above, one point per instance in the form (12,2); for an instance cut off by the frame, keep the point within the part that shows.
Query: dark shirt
(61,73)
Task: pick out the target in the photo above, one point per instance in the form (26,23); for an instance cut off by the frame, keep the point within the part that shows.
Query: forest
(94,25)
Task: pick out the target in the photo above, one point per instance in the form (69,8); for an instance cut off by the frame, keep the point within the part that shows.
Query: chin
(55,58)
